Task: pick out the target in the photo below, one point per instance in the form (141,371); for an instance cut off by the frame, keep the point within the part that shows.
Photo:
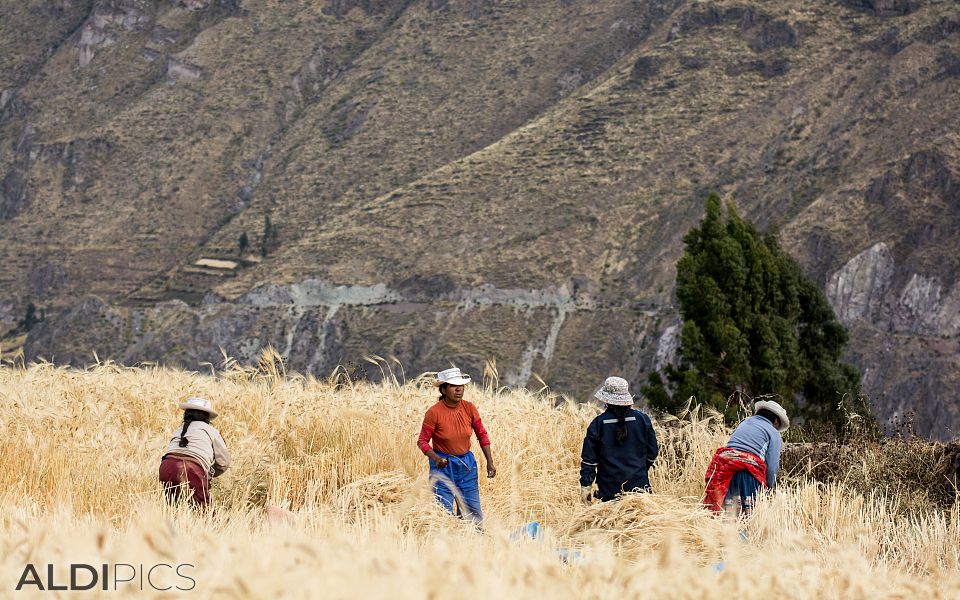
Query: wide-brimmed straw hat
(615,391)
(452,376)
(776,409)
(198,404)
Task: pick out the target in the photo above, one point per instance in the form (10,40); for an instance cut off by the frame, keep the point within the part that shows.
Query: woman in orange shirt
(453,468)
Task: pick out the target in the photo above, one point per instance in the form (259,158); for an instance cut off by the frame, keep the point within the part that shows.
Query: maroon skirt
(179,474)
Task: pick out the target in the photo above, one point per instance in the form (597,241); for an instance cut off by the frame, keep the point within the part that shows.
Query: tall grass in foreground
(79,453)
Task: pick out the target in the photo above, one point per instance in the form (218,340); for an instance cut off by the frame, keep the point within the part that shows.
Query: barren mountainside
(452,181)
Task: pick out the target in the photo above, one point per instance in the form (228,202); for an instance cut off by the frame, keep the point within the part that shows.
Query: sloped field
(327,498)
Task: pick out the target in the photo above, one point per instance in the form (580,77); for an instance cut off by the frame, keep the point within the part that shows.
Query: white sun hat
(615,391)
(452,376)
(776,409)
(198,404)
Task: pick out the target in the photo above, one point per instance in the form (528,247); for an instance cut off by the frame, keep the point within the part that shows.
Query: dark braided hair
(621,413)
(768,415)
(443,388)
(189,416)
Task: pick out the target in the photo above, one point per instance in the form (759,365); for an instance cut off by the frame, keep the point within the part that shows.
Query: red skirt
(178,473)
(726,462)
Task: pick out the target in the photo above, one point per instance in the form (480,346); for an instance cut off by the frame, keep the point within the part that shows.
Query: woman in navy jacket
(619,448)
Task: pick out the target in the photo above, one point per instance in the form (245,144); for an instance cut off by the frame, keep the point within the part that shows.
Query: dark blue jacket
(618,468)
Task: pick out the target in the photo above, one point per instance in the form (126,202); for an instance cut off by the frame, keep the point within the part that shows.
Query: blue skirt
(743,484)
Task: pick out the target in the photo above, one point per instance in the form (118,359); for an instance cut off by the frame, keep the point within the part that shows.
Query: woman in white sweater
(196,453)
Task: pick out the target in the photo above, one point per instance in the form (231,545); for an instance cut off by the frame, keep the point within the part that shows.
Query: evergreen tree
(752,323)
(243,242)
(268,241)
(29,319)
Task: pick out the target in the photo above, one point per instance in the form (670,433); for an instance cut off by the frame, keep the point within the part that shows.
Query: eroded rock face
(101,28)
(918,304)
(46,278)
(857,290)
(192,4)
(308,84)
(946,320)
(667,347)
(13,195)
(6,96)
(178,70)
(924,307)
(316,326)
(862,291)
(904,338)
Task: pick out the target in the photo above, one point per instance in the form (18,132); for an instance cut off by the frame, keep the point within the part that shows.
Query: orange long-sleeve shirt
(450,428)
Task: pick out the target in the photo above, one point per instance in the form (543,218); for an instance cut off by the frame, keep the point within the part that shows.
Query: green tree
(754,323)
(268,241)
(29,318)
(243,242)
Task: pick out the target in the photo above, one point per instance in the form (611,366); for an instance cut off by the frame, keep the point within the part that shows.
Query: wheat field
(327,498)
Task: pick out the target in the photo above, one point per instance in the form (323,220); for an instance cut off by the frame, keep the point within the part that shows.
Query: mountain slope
(458,181)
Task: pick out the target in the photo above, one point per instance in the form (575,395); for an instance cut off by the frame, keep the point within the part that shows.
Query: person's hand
(442,463)
(586,494)
(491,470)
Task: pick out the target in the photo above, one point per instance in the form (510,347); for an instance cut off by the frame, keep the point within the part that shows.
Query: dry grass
(350,514)
(11,347)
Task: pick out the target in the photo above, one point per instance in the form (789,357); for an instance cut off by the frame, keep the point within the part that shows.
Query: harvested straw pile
(375,492)
(638,524)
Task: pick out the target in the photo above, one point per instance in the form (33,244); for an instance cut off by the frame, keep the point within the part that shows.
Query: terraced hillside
(453,181)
